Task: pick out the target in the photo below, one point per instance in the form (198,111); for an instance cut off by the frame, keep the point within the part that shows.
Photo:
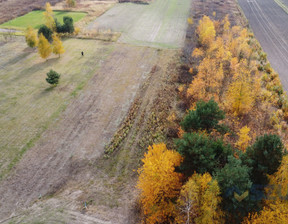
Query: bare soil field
(81,132)
(10,9)
(269,24)
(161,23)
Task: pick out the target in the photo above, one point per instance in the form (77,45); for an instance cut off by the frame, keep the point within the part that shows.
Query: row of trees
(213,180)
(208,181)
(48,34)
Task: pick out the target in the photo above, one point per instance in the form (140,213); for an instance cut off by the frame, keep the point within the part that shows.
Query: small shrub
(53,77)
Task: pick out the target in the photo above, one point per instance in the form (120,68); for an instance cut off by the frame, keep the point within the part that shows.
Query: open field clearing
(87,124)
(11,9)
(269,24)
(28,103)
(162,23)
(36,19)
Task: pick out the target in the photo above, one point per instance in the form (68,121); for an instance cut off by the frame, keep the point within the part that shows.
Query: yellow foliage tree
(226,24)
(206,31)
(244,138)
(31,37)
(159,183)
(240,96)
(278,182)
(208,80)
(44,47)
(57,45)
(48,15)
(199,201)
(275,213)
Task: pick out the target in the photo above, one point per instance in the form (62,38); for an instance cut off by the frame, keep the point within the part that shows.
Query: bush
(47,33)
(205,117)
(53,77)
(67,27)
(202,154)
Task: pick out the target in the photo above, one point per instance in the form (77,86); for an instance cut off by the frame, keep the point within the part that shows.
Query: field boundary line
(282,5)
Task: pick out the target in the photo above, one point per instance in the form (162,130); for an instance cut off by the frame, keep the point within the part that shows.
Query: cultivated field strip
(162,23)
(269,23)
(83,130)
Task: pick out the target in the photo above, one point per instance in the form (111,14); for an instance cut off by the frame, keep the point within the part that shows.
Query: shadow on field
(39,66)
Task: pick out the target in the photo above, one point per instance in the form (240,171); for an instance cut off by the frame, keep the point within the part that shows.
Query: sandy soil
(83,130)
(269,24)
(162,23)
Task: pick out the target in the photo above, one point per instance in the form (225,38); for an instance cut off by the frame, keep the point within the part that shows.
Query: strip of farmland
(161,23)
(269,24)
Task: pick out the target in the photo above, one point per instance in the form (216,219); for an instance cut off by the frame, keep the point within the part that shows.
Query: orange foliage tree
(159,183)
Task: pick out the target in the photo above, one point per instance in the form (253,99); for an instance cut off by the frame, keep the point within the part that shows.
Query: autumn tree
(31,37)
(264,157)
(206,31)
(208,80)
(240,96)
(159,183)
(277,188)
(57,45)
(244,138)
(48,16)
(206,116)
(274,213)
(71,3)
(44,47)
(199,201)
(201,153)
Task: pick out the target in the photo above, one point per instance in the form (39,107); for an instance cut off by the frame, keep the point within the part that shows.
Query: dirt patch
(10,9)
(268,22)
(161,23)
(82,132)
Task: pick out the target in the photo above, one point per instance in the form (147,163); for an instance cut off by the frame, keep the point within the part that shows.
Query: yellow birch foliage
(278,182)
(275,213)
(48,15)
(199,201)
(44,47)
(208,80)
(57,45)
(206,31)
(244,138)
(159,183)
(240,96)
(31,37)
(226,26)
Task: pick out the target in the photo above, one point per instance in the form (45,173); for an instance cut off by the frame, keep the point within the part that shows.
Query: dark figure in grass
(82,53)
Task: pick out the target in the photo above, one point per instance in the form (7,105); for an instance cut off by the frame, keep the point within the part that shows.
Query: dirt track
(83,130)
(269,24)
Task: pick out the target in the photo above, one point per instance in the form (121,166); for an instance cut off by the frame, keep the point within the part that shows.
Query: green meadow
(36,18)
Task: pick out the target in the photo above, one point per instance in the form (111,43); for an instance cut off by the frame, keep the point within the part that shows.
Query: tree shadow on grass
(34,68)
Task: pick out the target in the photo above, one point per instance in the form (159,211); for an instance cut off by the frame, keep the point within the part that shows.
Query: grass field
(161,23)
(36,18)
(28,104)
